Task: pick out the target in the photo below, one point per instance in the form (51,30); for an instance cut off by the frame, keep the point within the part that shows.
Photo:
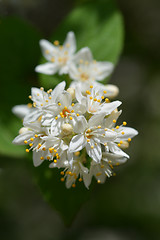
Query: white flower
(85,71)
(91,136)
(123,134)
(74,132)
(105,168)
(95,102)
(58,57)
(46,145)
(42,101)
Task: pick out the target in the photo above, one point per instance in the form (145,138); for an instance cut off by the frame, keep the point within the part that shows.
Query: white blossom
(58,56)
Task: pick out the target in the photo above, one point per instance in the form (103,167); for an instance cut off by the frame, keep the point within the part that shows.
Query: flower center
(63,60)
(65,112)
(84,76)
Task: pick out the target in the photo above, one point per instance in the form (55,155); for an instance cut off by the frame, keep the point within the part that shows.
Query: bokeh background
(127,206)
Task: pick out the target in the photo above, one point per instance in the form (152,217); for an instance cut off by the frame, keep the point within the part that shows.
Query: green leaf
(19,54)
(66,201)
(97,24)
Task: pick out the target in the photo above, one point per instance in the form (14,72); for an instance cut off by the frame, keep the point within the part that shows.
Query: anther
(36,136)
(47,52)
(117,127)
(56,42)
(25,141)
(107,100)
(42,158)
(129,139)
(102,97)
(27,150)
(73,185)
(62,173)
(98,181)
(104,92)
(122,133)
(31,144)
(55,161)
(62,179)
(114,120)
(77,114)
(91,98)
(124,123)
(91,86)
(48,157)
(76,154)
(80,179)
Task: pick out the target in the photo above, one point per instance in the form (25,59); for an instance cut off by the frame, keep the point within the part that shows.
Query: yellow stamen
(56,42)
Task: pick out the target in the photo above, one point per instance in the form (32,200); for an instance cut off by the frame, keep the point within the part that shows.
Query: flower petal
(127,133)
(19,140)
(84,54)
(95,153)
(114,158)
(103,69)
(47,68)
(37,158)
(58,90)
(70,42)
(116,150)
(81,124)
(108,121)
(109,107)
(77,143)
(21,110)
(96,120)
(47,49)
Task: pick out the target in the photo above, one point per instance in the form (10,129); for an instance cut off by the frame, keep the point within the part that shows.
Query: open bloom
(74,132)
(95,102)
(86,71)
(58,56)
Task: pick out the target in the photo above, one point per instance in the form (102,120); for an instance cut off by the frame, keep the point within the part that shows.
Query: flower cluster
(75,129)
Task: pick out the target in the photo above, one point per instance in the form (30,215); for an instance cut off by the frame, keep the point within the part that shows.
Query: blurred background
(127,206)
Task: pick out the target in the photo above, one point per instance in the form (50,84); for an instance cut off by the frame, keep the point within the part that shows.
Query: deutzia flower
(58,57)
(74,132)
(85,71)
(91,136)
(95,102)
(124,134)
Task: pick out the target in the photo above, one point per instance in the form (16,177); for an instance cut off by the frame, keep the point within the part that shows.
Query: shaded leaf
(19,54)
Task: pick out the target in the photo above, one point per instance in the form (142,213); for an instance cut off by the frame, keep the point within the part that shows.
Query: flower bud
(23,130)
(124,145)
(67,129)
(72,92)
(112,91)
